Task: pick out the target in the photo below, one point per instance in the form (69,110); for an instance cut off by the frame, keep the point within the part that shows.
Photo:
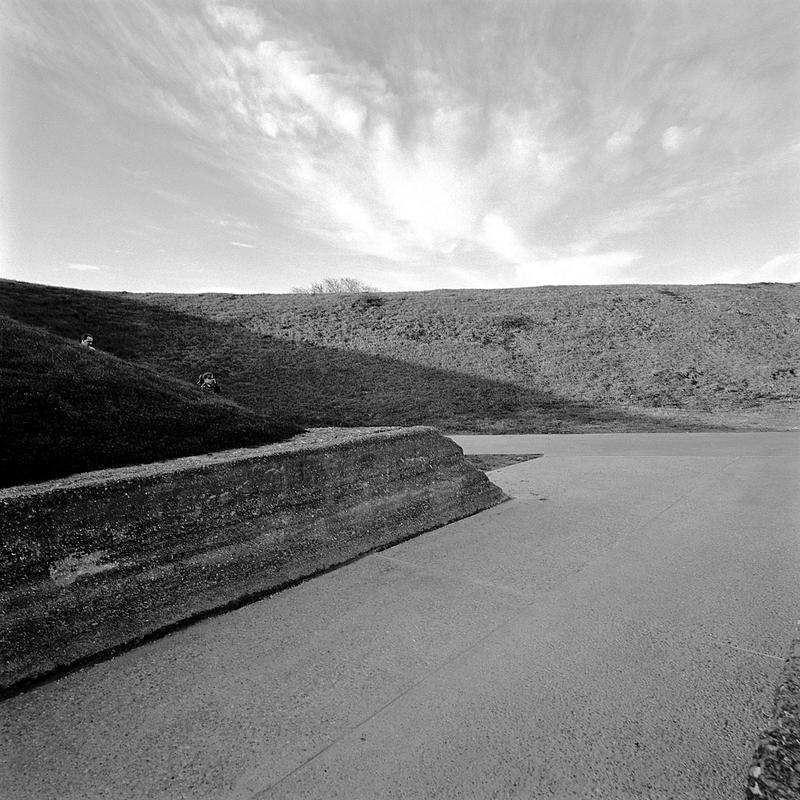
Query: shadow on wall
(308,384)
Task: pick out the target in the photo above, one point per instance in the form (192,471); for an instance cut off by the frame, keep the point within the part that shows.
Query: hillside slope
(697,349)
(538,359)
(67,409)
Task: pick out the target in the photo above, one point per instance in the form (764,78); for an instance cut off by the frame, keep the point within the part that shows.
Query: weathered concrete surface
(616,630)
(104,558)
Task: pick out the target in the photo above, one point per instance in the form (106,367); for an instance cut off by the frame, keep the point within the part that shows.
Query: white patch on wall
(67,570)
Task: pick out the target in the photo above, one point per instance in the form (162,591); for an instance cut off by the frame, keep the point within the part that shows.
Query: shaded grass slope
(517,360)
(66,409)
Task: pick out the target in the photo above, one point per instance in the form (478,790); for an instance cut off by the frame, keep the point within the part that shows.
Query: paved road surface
(613,631)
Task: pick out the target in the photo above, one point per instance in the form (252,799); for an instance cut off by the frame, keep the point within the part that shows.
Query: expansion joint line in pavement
(262,794)
(751,652)
(675,502)
(455,575)
(694,488)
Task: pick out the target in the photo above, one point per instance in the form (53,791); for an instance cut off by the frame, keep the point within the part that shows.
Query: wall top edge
(313,440)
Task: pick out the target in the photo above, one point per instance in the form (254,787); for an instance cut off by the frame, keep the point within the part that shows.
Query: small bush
(344,285)
(368,300)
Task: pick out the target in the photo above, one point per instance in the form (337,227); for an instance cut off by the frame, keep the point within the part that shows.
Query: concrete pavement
(615,630)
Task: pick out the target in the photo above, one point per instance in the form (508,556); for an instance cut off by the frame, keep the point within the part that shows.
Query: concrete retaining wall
(104,558)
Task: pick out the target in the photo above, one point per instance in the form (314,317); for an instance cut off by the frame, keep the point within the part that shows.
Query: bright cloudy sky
(180,145)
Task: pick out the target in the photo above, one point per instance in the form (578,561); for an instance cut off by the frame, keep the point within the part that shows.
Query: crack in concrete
(751,652)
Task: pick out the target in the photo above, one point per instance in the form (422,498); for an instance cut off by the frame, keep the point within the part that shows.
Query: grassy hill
(67,409)
(540,359)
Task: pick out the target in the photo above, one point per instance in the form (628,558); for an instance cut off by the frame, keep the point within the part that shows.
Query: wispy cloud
(675,138)
(500,238)
(241,22)
(539,141)
(86,267)
(172,109)
(588,269)
(782,268)
(215,289)
(624,136)
(230,221)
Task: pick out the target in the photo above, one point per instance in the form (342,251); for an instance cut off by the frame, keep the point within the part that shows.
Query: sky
(191,146)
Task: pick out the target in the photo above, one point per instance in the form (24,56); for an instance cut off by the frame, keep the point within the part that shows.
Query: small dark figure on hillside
(88,341)
(208,383)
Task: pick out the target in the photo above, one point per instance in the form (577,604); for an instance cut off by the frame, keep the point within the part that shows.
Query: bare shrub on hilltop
(345,285)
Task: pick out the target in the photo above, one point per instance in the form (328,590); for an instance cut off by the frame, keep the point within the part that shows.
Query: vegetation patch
(775,771)
(538,360)
(66,409)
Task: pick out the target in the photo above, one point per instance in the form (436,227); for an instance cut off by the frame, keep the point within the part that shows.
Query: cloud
(299,89)
(213,289)
(622,138)
(241,21)
(618,141)
(499,237)
(174,109)
(429,200)
(489,139)
(336,214)
(230,221)
(401,175)
(594,269)
(428,196)
(674,139)
(86,267)
(780,269)
(428,191)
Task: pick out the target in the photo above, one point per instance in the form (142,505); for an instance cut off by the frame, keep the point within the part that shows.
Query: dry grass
(551,359)
(65,409)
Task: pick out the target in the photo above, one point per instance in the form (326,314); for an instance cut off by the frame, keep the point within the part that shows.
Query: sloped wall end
(103,559)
